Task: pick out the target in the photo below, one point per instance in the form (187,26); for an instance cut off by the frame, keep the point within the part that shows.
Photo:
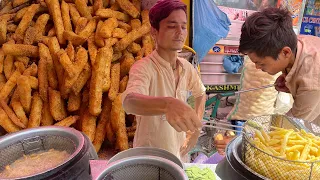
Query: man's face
(172,31)
(268,64)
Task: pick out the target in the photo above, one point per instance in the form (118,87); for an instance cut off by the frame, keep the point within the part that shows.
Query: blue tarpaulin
(210,24)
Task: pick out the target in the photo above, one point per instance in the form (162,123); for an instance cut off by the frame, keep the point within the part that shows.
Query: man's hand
(221,142)
(181,116)
(190,142)
(281,84)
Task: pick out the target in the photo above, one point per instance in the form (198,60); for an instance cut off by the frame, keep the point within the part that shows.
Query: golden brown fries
(10,84)
(55,11)
(20,50)
(128,7)
(124,26)
(63,62)
(6,123)
(83,8)
(57,106)
(98,4)
(89,29)
(67,121)
(81,24)
(46,119)
(43,74)
(36,109)
(118,124)
(103,60)
(135,23)
(26,19)
(101,127)
(134,48)
(137,4)
(19,111)
(11,114)
(24,91)
(8,66)
(107,27)
(132,36)
(74,102)
(109,13)
(147,44)
(123,84)
(89,125)
(126,64)
(119,33)
(3,31)
(66,16)
(115,79)
(74,13)
(82,79)
(93,49)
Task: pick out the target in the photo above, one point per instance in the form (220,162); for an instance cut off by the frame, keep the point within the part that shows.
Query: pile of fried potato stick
(284,153)
(66,63)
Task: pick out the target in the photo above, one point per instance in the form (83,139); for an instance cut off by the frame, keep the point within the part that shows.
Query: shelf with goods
(212,70)
(213,73)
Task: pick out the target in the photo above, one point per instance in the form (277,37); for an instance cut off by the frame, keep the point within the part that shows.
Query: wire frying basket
(271,166)
(30,141)
(143,168)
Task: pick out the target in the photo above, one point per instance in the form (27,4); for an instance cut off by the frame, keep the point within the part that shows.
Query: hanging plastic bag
(210,25)
(232,63)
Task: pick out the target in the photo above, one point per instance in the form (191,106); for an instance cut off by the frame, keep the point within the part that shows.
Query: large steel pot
(143,168)
(146,151)
(76,166)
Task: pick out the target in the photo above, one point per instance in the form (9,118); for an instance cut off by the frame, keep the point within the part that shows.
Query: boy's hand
(221,142)
(280,84)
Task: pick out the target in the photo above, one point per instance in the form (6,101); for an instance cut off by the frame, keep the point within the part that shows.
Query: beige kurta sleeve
(195,84)
(139,80)
(306,106)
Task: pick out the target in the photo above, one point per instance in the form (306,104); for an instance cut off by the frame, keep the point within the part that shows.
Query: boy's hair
(265,33)
(162,9)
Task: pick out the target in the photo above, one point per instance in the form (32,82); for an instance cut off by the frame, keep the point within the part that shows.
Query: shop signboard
(222,88)
(224,50)
(311,19)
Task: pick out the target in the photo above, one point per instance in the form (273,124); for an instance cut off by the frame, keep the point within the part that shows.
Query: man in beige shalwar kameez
(159,84)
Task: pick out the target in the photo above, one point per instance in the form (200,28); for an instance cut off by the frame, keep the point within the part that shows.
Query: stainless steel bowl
(143,168)
(146,151)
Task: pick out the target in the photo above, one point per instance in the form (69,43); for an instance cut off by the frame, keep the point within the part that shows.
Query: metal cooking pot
(146,151)
(13,146)
(143,167)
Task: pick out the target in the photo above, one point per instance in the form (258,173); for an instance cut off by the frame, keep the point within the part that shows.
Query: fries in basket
(284,153)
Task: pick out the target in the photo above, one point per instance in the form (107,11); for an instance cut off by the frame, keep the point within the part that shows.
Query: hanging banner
(254,5)
(295,7)
(311,19)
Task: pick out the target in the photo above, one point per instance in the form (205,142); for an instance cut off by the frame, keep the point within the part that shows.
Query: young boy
(267,37)
(158,85)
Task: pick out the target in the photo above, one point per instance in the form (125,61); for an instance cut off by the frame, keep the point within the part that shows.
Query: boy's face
(172,31)
(270,65)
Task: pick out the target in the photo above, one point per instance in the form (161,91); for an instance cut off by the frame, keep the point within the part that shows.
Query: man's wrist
(168,101)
